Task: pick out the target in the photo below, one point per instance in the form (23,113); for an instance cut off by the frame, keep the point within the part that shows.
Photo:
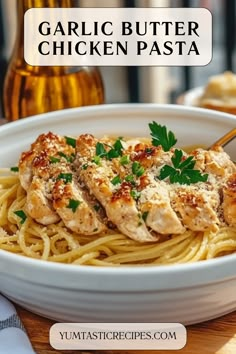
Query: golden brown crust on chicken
(63,182)
(229,203)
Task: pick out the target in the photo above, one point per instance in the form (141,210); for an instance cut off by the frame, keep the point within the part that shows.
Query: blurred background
(145,84)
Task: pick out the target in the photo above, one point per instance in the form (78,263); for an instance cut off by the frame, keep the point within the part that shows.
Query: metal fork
(224,140)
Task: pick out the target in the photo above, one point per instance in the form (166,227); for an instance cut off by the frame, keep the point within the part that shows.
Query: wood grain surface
(212,337)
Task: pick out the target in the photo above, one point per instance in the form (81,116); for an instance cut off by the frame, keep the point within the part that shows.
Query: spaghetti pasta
(56,243)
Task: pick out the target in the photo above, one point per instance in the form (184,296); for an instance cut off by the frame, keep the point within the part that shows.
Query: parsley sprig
(160,136)
(70,141)
(115,150)
(182,171)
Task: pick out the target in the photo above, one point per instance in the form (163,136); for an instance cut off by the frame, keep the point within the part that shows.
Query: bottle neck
(22,7)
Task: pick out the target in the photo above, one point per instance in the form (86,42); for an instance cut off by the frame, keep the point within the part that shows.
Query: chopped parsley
(66,177)
(96,159)
(54,159)
(100,150)
(14,169)
(137,169)
(84,166)
(145,215)
(182,172)
(160,136)
(116,180)
(73,204)
(124,160)
(118,146)
(135,194)
(130,179)
(115,150)
(70,141)
(21,214)
(67,157)
(96,207)
(112,154)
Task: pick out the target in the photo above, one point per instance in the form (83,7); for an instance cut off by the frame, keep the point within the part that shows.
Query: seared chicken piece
(77,214)
(215,162)
(229,203)
(36,161)
(197,207)
(126,186)
(120,207)
(50,198)
(38,206)
(149,156)
(155,201)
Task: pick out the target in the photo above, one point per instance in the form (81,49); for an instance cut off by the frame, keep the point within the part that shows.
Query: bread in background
(220,93)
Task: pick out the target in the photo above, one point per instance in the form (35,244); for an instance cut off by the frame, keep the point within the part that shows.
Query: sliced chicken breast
(197,207)
(120,207)
(38,206)
(229,200)
(155,202)
(71,206)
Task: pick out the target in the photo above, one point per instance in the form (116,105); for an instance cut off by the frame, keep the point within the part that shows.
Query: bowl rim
(175,269)
(56,115)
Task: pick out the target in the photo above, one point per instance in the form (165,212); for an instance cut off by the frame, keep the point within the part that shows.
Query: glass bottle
(30,90)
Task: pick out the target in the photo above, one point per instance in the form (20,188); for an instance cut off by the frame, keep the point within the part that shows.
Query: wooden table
(213,337)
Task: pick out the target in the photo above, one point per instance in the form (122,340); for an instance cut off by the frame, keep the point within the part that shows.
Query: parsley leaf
(84,166)
(160,136)
(100,150)
(53,159)
(115,150)
(116,180)
(130,179)
(135,194)
(96,159)
(67,157)
(70,141)
(124,160)
(182,172)
(21,214)
(112,154)
(118,146)
(145,215)
(14,169)
(96,207)
(67,177)
(137,169)
(73,204)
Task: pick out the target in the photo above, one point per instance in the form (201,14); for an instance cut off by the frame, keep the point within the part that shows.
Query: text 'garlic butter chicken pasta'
(117,201)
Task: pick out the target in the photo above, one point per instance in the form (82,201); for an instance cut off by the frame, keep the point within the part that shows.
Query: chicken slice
(76,213)
(149,156)
(229,200)
(36,161)
(48,199)
(120,207)
(215,162)
(197,207)
(155,202)
(38,205)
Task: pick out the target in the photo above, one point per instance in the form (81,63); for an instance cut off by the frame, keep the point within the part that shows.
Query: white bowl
(187,293)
